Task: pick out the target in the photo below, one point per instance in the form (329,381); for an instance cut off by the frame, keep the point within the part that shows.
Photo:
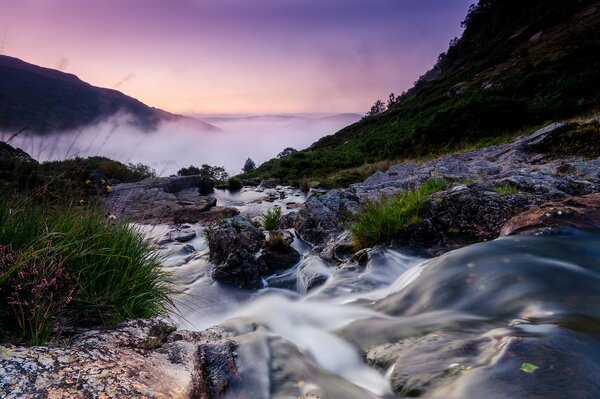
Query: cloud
(175,145)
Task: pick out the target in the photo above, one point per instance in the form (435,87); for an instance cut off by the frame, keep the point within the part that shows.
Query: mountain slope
(42,100)
(517,64)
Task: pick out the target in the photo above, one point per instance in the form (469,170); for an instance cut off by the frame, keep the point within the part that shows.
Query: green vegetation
(76,178)
(379,222)
(234,184)
(214,173)
(74,267)
(276,242)
(494,80)
(506,189)
(270,220)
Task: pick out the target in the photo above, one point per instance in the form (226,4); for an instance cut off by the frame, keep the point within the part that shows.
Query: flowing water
(517,317)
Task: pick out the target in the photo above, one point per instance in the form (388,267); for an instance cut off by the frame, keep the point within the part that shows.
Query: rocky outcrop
(136,359)
(487,187)
(577,213)
(242,256)
(165,200)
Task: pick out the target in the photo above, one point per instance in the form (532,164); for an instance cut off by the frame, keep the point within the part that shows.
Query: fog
(178,144)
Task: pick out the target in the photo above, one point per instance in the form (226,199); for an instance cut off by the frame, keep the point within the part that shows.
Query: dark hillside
(42,100)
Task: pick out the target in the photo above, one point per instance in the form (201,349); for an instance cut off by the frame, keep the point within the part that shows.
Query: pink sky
(236,56)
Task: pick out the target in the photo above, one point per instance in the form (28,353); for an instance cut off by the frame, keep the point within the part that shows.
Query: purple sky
(237,56)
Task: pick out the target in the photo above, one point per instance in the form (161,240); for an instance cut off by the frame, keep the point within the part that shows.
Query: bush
(379,222)
(115,274)
(270,220)
(234,184)
(36,291)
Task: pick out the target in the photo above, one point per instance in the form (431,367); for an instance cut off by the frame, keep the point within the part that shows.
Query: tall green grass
(270,219)
(378,222)
(115,274)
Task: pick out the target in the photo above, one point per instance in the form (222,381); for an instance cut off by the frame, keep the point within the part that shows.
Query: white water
(308,320)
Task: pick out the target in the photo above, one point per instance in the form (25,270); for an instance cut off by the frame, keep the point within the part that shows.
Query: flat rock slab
(164,200)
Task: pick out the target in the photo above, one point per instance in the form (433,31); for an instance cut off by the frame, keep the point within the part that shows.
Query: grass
(506,189)
(115,275)
(379,222)
(270,220)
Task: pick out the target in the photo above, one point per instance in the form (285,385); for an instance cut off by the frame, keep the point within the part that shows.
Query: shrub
(36,291)
(234,184)
(506,189)
(115,274)
(270,220)
(378,222)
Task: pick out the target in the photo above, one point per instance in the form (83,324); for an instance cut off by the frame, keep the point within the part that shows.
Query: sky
(237,56)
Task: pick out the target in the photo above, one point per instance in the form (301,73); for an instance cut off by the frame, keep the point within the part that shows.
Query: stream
(517,317)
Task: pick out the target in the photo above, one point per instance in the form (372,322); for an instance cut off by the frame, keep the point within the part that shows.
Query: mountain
(42,100)
(517,64)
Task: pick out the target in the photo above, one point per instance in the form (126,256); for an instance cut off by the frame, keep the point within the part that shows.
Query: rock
(577,212)
(268,184)
(276,258)
(130,360)
(160,200)
(179,235)
(322,215)
(338,249)
(288,220)
(233,246)
(214,370)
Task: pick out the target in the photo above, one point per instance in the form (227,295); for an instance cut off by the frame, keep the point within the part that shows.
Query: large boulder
(577,212)
(233,245)
(277,257)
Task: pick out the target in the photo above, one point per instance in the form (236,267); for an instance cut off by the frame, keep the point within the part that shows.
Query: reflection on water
(463,325)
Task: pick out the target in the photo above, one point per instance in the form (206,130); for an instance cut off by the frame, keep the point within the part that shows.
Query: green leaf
(529,367)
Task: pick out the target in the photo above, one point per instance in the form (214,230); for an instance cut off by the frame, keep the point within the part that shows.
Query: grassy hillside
(518,63)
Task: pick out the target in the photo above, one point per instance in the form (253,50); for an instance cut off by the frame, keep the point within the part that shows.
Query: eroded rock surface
(138,359)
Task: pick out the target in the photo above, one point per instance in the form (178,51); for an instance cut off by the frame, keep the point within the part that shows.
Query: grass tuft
(114,273)
(270,220)
(506,189)
(378,222)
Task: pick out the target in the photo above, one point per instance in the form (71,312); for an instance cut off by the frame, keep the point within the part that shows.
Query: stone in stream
(233,245)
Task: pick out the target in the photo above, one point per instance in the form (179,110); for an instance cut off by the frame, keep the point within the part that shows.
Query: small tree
(377,108)
(287,152)
(249,165)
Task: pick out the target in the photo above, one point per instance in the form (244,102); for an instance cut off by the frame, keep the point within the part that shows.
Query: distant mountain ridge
(42,100)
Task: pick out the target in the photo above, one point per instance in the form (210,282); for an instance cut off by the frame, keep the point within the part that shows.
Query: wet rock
(179,235)
(215,370)
(338,249)
(276,258)
(250,182)
(233,245)
(577,212)
(322,215)
(288,220)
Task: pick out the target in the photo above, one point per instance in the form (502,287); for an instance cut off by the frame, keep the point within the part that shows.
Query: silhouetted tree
(249,165)
(287,152)
(377,108)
